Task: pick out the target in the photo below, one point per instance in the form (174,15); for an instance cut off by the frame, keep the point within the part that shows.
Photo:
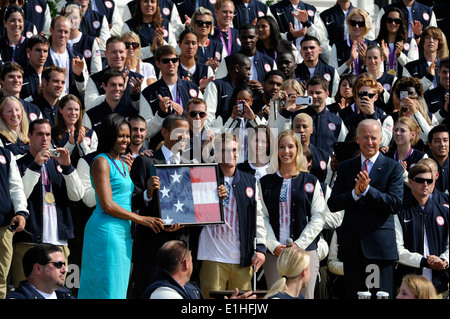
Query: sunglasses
(365,93)
(354,23)
(194,114)
(135,45)
(167,60)
(57,264)
(201,23)
(394,20)
(185,252)
(421,180)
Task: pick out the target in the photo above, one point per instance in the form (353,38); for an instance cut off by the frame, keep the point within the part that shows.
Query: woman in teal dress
(106,259)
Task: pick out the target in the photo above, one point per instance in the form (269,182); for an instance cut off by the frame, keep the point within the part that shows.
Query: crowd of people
(329,131)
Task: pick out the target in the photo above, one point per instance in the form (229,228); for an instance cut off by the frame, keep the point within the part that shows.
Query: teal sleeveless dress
(107,246)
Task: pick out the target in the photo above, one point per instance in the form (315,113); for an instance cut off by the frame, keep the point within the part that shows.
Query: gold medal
(49,197)
(392,72)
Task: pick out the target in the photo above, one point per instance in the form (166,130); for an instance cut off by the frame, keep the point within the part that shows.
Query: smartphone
(240,105)
(13,227)
(54,153)
(304,100)
(403,95)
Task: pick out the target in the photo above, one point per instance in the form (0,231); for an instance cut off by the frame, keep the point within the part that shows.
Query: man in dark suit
(175,130)
(370,190)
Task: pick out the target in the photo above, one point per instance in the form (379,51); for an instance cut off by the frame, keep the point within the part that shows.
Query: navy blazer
(246,207)
(416,222)
(147,242)
(282,11)
(368,224)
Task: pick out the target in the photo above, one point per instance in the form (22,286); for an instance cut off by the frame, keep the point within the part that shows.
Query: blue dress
(107,246)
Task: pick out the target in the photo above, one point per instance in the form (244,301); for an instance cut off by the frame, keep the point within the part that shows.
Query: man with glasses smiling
(168,95)
(45,270)
(422,232)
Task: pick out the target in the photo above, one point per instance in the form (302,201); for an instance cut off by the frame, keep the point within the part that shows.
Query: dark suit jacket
(147,242)
(368,224)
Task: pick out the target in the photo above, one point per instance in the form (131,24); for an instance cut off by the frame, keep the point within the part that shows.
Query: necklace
(124,174)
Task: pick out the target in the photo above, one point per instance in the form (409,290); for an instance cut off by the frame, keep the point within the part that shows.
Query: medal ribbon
(222,39)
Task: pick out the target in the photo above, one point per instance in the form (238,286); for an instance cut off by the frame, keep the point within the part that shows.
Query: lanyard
(407,155)
(223,40)
(45,178)
(275,53)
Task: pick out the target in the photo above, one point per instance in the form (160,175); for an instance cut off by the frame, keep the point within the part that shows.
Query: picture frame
(188,194)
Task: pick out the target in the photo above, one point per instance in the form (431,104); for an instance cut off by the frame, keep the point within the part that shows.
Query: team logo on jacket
(327,77)
(426,16)
(332,126)
(96,24)
(261,14)
(193,92)
(108,4)
(166,11)
(87,140)
(267,67)
(29,34)
(218,55)
(2,159)
(440,220)
(59,168)
(323,165)
(406,47)
(38,8)
(387,87)
(87,54)
(309,188)
(311,13)
(250,192)
(32,116)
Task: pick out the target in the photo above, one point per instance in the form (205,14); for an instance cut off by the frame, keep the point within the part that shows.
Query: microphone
(289,242)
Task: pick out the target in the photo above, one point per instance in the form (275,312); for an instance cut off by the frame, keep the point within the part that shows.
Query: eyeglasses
(201,23)
(421,180)
(194,114)
(57,264)
(185,252)
(394,20)
(365,93)
(135,45)
(354,23)
(167,60)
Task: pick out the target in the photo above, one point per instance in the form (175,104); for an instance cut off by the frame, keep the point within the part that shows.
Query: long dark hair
(107,134)
(137,17)
(402,33)
(275,35)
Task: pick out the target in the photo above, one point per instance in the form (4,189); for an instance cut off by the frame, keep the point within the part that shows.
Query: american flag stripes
(188,194)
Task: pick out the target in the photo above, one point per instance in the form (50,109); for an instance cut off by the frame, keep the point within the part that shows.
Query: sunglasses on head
(185,252)
(194,114)
(135,45)
(57,264)
(167,60)
(421,180)
(365,93)
(394,20)
(354,23)
(201,23)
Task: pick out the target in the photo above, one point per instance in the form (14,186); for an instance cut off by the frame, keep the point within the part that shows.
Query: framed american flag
(188,194)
